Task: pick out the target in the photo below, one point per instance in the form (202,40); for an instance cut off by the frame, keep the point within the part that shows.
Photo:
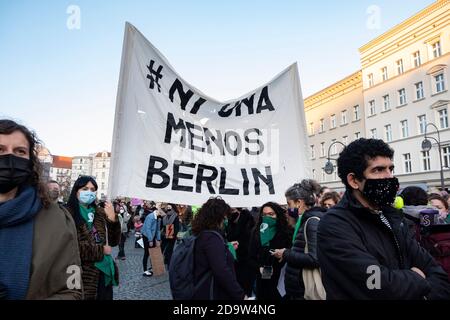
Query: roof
(62,162)
(103,154)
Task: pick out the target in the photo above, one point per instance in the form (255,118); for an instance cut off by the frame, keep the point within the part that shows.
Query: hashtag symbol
(154,76)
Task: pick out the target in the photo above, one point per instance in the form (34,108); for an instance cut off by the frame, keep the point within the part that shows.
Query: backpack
(436,240)
(181,270)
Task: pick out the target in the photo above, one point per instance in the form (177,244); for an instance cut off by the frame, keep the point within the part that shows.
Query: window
(373,133)
(400,66)
(103,185)
(436,47)
(314,174)
(384,73)
(345,140)
(446,156)
(407,162)
(440,85)
(322,125)
(335,173)
(344,117)
(322,149)
(388,132)
(311,128)
(443,119)
(426,163)
(333,121)
(334,148)
(404,128)
(356,113)
(357,135)
(313,154)
(419,90)
(371,107)
(386,103)
(370,78)
(422,123)
(402,97)
(103,175)
(323,175)
(416,59)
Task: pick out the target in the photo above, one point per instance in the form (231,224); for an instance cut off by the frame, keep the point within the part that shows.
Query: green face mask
(225,222)
(267,230)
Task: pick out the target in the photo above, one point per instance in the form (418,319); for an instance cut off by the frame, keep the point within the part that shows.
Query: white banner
(172,143)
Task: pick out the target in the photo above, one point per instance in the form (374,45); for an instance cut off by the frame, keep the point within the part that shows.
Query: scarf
(297,227)
(267,230)
(107,264)
(16,241)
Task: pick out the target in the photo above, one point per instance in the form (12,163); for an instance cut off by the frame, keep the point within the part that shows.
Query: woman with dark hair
(270,233)
(212,260)
(38,241)
(302,213)
(98,230)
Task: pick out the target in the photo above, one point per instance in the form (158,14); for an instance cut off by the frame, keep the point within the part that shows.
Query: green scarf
(107,264)
(107,267)
(267,230)
(297,227)
(88,215)
(232,250)
(447,219)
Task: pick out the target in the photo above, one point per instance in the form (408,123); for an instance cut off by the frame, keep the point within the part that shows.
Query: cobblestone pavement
(133,285)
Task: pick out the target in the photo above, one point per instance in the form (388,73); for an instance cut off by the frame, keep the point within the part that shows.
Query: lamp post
(329,168)
(426,146)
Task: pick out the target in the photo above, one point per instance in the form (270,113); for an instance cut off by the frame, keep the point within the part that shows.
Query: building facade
(100,170)
(81,166)
(404,93)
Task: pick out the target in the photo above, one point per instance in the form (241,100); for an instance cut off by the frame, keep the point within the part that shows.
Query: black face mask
(14,171)
(381,192)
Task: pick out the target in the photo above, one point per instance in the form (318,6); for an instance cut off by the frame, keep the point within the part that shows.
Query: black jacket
(212,254)
(266,289)
(297,259)
(354,246)
(241,231)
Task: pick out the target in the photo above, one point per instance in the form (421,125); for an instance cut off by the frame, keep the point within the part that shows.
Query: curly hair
(8,127)
(73,204)
(282,222)
(355,157)
(333,195)
(435,196)
(210,215)
(306,190)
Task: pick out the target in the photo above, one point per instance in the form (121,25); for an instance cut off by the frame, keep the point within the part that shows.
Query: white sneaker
(148,273)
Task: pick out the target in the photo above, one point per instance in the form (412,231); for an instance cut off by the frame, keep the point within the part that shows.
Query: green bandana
(88,215)
(297,227)
(267,230)
(225,223)
(447,219)
(232,250)
(107,267)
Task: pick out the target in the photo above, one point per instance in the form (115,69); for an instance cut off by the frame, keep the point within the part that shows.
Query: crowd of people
(319,244)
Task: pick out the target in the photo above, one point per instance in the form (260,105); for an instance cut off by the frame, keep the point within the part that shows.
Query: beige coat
(55,264)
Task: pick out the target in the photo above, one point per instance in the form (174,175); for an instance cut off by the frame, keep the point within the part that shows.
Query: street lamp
(329,168)
(426,146)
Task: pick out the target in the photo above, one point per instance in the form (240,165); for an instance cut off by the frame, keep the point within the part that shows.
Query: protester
(364,249)
(171,227)
(301,199)
(271,232)
(137,231)
(322,191)
(152,238)
(415,199)
(124,218)
(212,259)
(240,224)
(330,199)
(439,203)
(54,190)
(98,230)
(38,240)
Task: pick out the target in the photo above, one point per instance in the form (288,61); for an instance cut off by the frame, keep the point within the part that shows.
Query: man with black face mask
(364,249)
